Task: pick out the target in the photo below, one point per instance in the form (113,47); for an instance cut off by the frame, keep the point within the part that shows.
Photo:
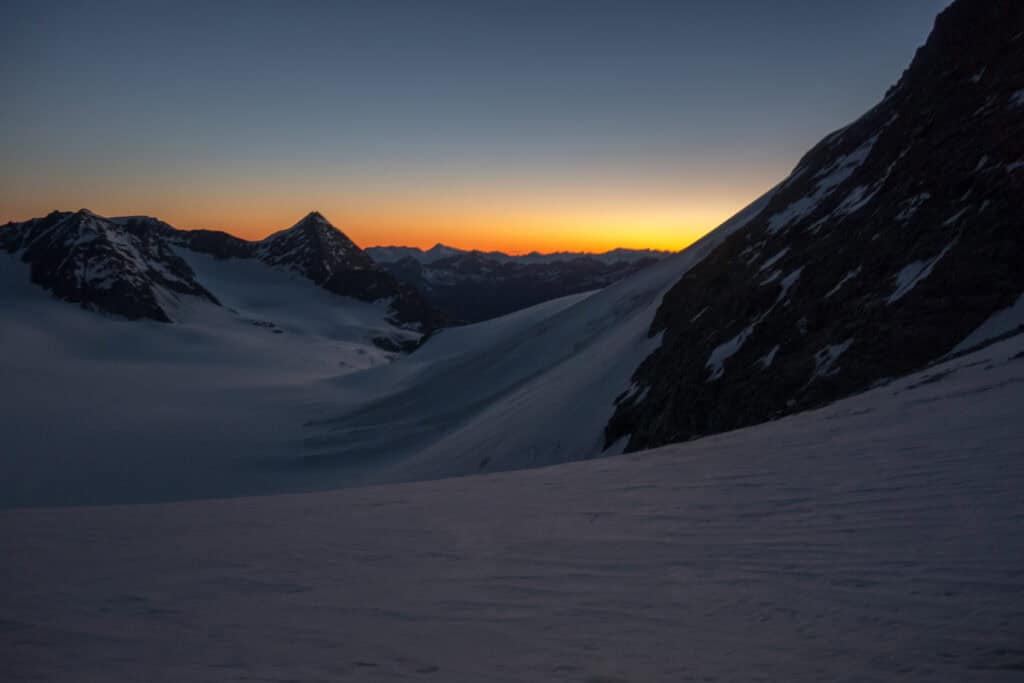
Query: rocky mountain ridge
(128,265)
(890,242)
(391,254)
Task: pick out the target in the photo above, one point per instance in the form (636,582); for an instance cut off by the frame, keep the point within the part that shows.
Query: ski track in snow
(879,538)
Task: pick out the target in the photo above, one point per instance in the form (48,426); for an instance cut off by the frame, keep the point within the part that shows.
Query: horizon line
(317,212)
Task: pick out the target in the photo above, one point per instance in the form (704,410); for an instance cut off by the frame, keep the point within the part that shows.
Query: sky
(508,124)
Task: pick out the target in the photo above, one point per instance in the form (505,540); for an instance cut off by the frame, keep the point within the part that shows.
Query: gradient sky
(512,125)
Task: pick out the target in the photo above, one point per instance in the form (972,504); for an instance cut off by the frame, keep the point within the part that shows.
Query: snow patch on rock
(828,180)
(767,359)
(913,273)
(825,359)
(846,278)
(910,206)
(725,351)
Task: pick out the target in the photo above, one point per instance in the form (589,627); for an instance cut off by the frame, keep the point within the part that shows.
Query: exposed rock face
(313,248)
(214,242)
(891,240)
(93,261)
(128,266)
(317,250)
(474,286)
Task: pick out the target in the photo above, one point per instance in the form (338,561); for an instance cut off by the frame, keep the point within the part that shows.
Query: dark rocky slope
(90,260)
(892,240)
(317,250)
(128,266)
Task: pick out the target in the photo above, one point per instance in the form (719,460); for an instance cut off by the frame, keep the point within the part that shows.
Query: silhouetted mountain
(103,265)
(214,242)
(128,265)
(437,252)
(474,286)
(317,250)
(313,248)
(891,240)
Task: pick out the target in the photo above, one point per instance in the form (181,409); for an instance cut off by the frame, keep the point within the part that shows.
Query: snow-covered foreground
(879,538)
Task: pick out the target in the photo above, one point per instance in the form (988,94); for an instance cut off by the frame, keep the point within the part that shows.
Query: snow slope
(472,401)
(257,292)
(879,538)
(97,408)
(262,395)
(269,394)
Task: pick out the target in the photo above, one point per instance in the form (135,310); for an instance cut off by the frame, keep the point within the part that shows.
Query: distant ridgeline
(475,285)
(129,266)
(889,243)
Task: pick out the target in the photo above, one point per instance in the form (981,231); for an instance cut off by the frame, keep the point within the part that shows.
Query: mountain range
(821,399)
(439,251)
(132,266)
(137,266)
(894,244)
(473,285)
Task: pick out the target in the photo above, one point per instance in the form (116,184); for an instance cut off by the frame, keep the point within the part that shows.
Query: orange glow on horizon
(594,229)
(513,210)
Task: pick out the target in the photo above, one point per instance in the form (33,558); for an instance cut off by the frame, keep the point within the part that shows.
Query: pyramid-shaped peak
(313,245)
(314,218)
(312,224)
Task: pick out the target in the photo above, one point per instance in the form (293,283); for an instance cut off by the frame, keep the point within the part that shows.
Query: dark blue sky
(512,124)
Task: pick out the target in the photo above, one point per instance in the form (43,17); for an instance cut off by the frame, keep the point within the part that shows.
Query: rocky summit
(88,259)
(128,266)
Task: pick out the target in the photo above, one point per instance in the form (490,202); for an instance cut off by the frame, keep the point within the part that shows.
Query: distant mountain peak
(317,250)
(128,265)
(394,253)
(314,218)
(94,261)
(314,248)
(313,221)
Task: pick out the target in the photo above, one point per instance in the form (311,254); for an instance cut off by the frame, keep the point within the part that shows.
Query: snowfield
(282,391)
(95,408)
(538,393)
(879,538)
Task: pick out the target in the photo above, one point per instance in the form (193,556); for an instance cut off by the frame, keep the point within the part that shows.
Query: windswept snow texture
(877,539)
